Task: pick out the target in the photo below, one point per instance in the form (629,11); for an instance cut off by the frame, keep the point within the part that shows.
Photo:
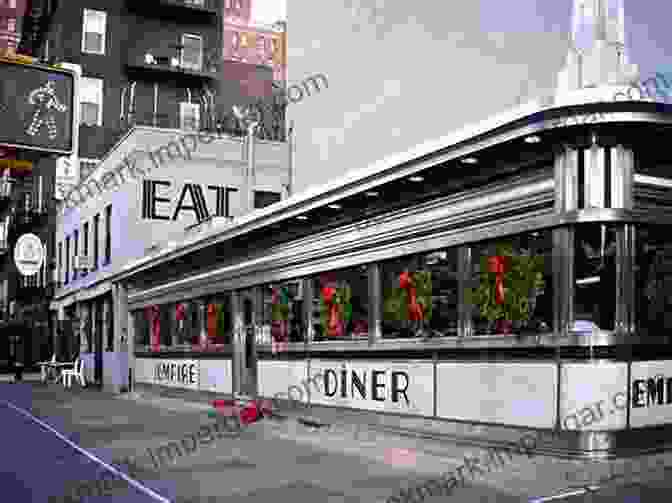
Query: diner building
(510,275)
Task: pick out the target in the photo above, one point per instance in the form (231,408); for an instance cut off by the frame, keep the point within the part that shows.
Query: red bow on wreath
(414,309)
(500,265)
(180,312)
(334,325)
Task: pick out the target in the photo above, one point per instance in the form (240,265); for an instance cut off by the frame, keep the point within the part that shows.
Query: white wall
(410,72)
(215,163)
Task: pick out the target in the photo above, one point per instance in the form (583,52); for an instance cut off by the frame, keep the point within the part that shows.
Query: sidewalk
(435,446)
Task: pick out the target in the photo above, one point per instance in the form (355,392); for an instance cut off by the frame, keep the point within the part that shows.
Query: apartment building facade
(153,64)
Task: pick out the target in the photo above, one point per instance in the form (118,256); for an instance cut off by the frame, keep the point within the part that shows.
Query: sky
(646,22)
(390,62)
(647,33)
(269,11)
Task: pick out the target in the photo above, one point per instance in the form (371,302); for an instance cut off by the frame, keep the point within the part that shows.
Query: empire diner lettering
(652,391)
(184,373)
(399,382)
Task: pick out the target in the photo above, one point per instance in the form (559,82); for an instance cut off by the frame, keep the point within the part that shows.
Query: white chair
(44,368)
(77,371)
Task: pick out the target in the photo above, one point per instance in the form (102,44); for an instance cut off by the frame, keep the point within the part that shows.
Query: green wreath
(524,277)
(280,309)
(342,298)
(395,307)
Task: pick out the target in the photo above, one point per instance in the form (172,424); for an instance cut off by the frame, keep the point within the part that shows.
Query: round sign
(28,254)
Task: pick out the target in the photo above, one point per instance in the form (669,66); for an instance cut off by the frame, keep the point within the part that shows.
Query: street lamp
(249,118)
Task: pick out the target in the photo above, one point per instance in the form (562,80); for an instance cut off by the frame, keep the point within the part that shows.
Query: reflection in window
(420,295)
(187,322)
(141,328)
(654,279)
(341,304)
(283,313)
(595,277)
(511,285)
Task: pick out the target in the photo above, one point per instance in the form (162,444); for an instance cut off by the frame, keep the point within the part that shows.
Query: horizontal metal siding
(505,209)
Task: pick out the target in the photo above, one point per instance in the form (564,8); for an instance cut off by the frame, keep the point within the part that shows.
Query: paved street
(272,460)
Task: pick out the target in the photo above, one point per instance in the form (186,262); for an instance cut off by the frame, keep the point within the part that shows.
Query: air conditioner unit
(80,262)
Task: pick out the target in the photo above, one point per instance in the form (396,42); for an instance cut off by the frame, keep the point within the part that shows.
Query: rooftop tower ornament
(597,53)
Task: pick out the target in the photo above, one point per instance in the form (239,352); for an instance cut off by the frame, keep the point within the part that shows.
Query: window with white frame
(91,101)
(93,31)
(189,116)
(192,52)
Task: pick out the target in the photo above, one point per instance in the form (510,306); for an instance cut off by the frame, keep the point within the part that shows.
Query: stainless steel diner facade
(386,283)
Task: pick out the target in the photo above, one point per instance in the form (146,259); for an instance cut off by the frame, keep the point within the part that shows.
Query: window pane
(263,198)
(654,279)
(191,53)
(595,277)
(219,320)
(341,304)
(420,295)
(93,42)
(89,113)
(282,318)
(141,328)
(511,287)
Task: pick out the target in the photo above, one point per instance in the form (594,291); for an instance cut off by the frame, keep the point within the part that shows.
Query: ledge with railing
(271,127)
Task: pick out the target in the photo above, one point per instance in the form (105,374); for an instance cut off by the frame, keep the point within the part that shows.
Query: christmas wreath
(507,284)
(412,299)
(335,309)
(280,314)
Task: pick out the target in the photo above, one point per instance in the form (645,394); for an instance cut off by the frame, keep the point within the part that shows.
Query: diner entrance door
(245,355)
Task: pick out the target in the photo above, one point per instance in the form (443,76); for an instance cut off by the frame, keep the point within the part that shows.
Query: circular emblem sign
(28,254)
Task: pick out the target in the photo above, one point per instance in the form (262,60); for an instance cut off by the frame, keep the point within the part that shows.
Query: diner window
(219,321)
(75,251)
(67,260)
(420,295)
(85,245)
(594,277)
(341,304)
(96,241)
(110,326)
(511,285)
(653,276)
(282,319)
(188,322)
(141,328)
(87,329)
(108,234)
(60,262)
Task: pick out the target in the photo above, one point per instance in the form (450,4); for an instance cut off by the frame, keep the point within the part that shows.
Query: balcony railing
(272,125)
